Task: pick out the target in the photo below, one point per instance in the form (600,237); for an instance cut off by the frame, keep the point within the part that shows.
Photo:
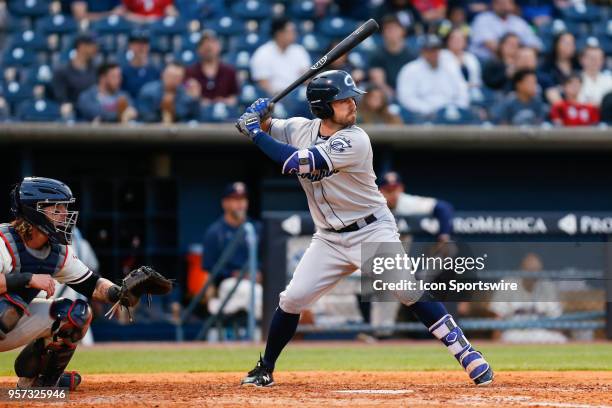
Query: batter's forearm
(106,291)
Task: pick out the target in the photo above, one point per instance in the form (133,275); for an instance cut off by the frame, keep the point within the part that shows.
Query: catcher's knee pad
(12,308)
(72,319)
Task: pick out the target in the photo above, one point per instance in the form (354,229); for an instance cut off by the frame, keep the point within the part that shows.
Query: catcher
(34,251)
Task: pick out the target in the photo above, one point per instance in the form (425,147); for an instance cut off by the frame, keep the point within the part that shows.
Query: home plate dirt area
(569,389)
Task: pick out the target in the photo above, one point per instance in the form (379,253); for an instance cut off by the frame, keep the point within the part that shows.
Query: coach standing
(221,233)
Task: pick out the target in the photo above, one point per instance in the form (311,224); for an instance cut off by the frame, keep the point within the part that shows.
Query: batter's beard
(346,123)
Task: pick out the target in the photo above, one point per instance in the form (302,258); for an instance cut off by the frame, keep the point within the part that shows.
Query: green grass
(379,357)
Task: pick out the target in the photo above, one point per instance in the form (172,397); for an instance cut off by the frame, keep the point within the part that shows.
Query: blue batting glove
(262,107)
(249,124)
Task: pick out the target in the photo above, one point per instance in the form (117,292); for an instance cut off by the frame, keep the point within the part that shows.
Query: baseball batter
(35,251)
(333,160)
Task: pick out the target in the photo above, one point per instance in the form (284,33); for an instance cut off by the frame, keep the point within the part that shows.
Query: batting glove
(262,106)
(249,124)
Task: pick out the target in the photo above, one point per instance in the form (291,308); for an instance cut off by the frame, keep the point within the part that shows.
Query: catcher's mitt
(142,281)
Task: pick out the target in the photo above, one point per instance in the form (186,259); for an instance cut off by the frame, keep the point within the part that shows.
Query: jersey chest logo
(339,144)
(318,175)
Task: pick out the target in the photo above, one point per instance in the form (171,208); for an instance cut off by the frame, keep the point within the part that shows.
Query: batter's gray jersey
(345,193)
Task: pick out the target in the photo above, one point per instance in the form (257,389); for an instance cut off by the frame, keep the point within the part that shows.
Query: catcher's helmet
(327,87)
(38,199)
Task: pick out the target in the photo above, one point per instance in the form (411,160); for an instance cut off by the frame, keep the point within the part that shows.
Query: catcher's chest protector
(23,261)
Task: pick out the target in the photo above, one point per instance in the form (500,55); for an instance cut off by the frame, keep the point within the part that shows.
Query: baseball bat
(350,42)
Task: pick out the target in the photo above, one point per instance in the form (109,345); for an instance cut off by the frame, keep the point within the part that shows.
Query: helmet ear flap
(322,110)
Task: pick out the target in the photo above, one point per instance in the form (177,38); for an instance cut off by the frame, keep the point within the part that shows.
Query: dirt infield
(571,389)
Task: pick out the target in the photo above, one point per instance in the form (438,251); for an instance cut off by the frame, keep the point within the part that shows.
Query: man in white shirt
(425,86)
(277,63)
(596,83)
(490,26)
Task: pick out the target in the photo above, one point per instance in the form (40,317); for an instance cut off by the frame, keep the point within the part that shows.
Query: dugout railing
(279,257)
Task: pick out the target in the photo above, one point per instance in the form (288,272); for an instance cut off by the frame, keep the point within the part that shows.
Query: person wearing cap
(428,84)
(138,70)
(221,233)
(217,80)
(78,74)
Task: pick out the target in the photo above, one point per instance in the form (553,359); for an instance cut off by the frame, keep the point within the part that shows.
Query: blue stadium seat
(219,113)
(112,24)
(200,9)
(315,43)
(249,42)
(40,75)
(41,110)
(582,13)
(414,43)
(252,10)
(185,57)
(359,59)
(57,24)
(302,10)
(18,57)
(15,24)
(29,40)
(191,40)
(370,44)
(249,93)
(169,25)
(29,8)
(226,26)
(240,60)
(337,27)
(15,93)
(452,115)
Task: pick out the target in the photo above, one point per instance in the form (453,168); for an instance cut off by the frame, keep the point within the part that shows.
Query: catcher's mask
(46,203)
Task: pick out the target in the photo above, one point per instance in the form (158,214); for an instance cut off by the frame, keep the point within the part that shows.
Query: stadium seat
(358,59)
(41,110)
(302,10)
(30,40)
(200,9)
(337,27)
(452,115)
(226,26)
(240,60)
(57,24)
(15,93)
(252,10)
(42,74)
(218,113)
(185,57)
(18,57)
(581,13)
(112,33)
(29,8)
(370,44)
(249,42)
(249,93)
(169,25)
(315,43)
(190,41)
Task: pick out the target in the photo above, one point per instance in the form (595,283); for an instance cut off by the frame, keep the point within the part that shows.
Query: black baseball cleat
(70,380)
(260,376)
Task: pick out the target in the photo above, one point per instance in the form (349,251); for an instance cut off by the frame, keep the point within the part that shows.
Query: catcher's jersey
(347,191)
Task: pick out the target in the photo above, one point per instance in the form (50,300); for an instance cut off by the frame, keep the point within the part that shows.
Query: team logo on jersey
(318,175)
(339,144)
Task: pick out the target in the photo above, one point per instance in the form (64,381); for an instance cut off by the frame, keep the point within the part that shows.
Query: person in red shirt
(570,112)
(146,11)
(431,11)
(217,79)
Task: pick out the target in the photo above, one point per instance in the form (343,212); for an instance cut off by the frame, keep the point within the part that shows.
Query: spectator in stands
(168,100)
(105,101)
(430,11)
(490,26)
(534,299)
(138,70)
(374,109)
(147,11)
(222,232)
(497,71)
(217,79)
(595,81)
(277,63)
(93,10)
(568,111)
(387,60)
(78,74)
(401,9)
(427,85)
(560,63)
(524,106)
(455,52)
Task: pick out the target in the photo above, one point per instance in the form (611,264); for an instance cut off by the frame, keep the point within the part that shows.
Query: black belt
(355,226)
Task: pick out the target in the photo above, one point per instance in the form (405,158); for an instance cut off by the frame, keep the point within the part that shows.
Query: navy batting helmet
(44,203)
(327,87)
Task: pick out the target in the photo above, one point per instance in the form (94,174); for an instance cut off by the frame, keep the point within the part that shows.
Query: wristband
(114,293)
(17,281)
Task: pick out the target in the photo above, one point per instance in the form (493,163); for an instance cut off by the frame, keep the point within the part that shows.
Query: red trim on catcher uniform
(16,303)
(9,249)
(65,258)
